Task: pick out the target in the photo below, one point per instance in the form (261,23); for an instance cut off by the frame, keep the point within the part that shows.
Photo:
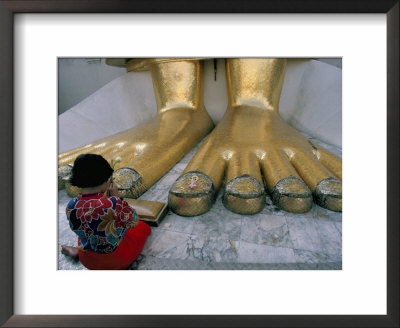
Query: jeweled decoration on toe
(185,200)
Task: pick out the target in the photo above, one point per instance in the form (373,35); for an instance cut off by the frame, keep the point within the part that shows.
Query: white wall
(80,77)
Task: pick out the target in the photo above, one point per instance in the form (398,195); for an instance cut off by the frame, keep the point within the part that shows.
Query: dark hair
(90,170)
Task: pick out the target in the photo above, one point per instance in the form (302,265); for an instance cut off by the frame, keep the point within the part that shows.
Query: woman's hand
(112,190)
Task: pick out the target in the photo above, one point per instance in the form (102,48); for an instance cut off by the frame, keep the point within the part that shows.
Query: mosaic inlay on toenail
(64,173)
(328,194)
(292,194)
(245,186)
(244,195)
(129,182)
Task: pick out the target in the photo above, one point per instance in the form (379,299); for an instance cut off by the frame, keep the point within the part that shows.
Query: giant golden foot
(252,150)
(147,152)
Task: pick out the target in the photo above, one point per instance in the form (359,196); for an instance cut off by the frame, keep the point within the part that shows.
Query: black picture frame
(7,10)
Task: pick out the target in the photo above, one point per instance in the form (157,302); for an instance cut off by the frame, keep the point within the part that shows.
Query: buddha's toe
(64,172)
(192,194)
(129,181)
(328,194)
(292,195)
(244,195)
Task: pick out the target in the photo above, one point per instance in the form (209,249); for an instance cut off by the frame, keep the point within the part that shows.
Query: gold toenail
(328,194)
(64,173)
(187,201)
(292,195)
(129,182)
(244,195)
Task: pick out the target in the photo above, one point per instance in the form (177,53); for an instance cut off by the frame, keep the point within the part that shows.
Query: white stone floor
(221,240)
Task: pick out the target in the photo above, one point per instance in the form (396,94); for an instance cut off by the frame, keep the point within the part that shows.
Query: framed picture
(203,291)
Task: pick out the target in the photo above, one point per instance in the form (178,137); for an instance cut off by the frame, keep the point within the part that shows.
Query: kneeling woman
(110,235)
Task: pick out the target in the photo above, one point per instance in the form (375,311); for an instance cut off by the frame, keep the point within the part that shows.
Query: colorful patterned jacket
(100,221)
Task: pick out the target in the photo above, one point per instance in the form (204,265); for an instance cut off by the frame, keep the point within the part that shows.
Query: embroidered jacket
(100,221)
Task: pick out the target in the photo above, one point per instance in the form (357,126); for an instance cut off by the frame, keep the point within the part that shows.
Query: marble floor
(222,240)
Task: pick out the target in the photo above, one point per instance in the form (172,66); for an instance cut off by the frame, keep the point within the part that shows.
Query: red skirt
(128,251)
